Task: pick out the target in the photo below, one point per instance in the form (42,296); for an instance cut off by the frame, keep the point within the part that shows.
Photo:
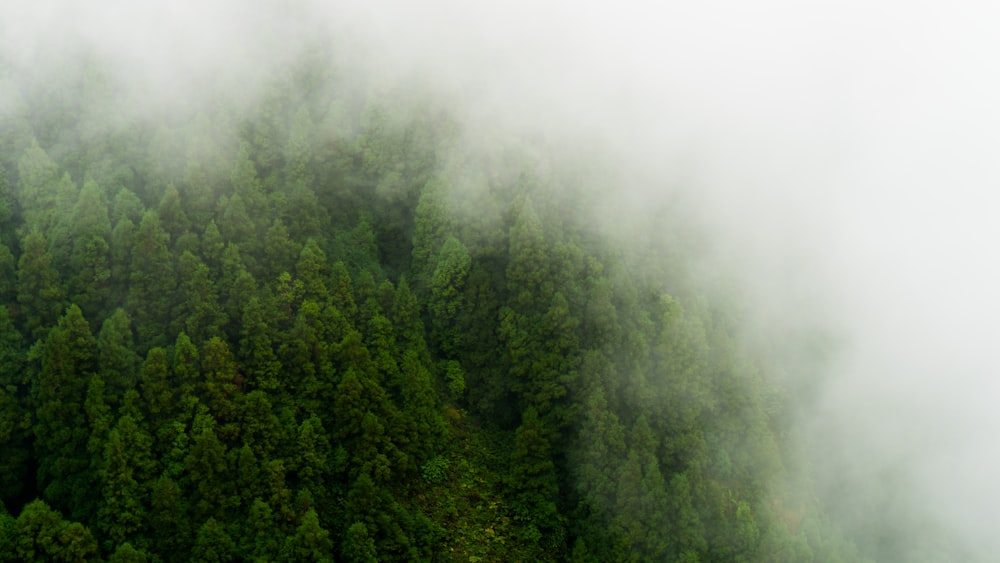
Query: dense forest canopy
(330,320)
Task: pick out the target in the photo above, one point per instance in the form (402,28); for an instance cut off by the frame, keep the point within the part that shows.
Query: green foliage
(435,470)
(327,328)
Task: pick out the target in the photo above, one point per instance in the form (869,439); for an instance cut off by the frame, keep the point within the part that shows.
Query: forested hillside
(320,325)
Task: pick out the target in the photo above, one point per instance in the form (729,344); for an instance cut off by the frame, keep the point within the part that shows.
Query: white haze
(843,156)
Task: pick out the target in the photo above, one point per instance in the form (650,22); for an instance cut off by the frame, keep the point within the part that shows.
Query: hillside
(321,325)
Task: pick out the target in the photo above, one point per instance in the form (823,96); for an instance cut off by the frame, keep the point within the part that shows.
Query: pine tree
(171,213)
(213,544)
(168,523)
(152,283)
(310,542)
(261,539)
(66,361)
(15,418)
(197,311)
(260,364)
(533,476)
(359,545)
(90,233)
(447,296)
(116,356)
(221,387)
(43,535)
(280,251)
(121,514)
(37,176)
(40,294)
(432,226)
(207,468)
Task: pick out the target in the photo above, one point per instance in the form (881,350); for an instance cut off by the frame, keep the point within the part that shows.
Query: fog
(841,156)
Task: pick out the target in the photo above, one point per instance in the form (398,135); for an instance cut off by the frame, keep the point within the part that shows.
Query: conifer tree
(40,293)
(213,544)
(152,283)
(116,355)
(66,361)
(446,294)
(310,542)
(15,412)
(42,534)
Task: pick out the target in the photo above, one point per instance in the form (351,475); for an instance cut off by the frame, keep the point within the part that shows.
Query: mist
(839,159)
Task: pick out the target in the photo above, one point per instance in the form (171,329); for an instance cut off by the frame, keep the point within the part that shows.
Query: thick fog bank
(842,158)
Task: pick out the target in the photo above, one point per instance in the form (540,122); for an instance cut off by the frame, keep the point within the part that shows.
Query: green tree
(121,245)
(89,233)
(221,386)
(15,415)
(446,295)
(532,477)
(280,251)
(168,522)
(43,535)
(213,544)
(65,363)
(313,456)
(261,539)
(152,283)
(125,553)
(121,514)
(173,220)
(432,225)
(208,471)
(37,177)
(40,294)
(116,356)
(197,311)
(310,542)
(260,364)
(313,271)
(359,545)
(8,274)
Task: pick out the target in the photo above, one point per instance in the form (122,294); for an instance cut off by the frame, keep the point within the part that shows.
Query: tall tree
(90,233)
(65,362)
(15,417)
(447,296)
(40,294)
(152,283)
(118,361)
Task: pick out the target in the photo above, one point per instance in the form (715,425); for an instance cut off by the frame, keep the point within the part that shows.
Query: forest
(320,324)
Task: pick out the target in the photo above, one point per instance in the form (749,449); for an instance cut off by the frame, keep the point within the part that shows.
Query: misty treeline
(316,324)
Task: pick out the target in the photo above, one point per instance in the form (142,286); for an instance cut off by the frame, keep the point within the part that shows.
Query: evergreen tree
(280,251)
(15,412)
(37,177)
(90,232)
(358,545)
(40,294)
(65,363)
(152,283)
(260,364)
(213,544)
(122,513)
(116,356)
(43,535)
(310,542)
(125,553)
(173,220)
(197,312)
(168,523)
(446,295)
(533,477)
(432,226)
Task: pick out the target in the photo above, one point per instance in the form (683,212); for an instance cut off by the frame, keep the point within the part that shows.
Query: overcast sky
(844,156)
